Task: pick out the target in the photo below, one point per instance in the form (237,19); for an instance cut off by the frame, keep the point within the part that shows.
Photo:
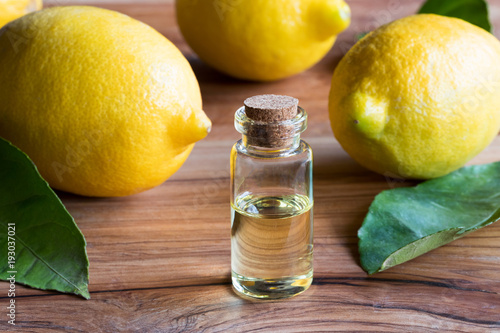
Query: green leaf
(50,250)
(361,35)
(472,11)
(404,223)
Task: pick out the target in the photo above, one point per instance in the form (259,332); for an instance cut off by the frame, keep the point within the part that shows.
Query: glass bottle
(271,199)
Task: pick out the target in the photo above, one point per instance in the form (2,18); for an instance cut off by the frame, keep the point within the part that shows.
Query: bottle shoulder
(302,148)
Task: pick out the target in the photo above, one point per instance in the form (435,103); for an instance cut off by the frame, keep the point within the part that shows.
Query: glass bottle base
(271,288)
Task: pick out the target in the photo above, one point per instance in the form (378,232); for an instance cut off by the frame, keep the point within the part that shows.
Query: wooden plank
(336,304)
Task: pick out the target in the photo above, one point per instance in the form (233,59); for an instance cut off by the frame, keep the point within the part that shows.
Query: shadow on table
(343,193)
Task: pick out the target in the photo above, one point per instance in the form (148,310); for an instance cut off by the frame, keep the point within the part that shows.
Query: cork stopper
(269,112)
(271,108)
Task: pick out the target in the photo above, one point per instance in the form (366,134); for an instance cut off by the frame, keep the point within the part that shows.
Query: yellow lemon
(419,97)
(12,9)
(261,39)
(103,104)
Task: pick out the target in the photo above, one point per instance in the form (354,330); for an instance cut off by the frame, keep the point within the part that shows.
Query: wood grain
(160,260)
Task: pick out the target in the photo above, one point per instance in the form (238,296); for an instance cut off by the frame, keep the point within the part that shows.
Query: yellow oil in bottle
(272,245)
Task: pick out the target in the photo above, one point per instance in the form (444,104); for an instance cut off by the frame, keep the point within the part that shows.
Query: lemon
(12,9)
(261,40)
(418,97)
(103,104)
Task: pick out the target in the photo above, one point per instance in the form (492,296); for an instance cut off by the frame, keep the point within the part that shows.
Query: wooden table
(160,260)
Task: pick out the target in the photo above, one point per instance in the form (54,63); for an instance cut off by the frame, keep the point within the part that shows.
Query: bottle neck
(270,137)
(254,145)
